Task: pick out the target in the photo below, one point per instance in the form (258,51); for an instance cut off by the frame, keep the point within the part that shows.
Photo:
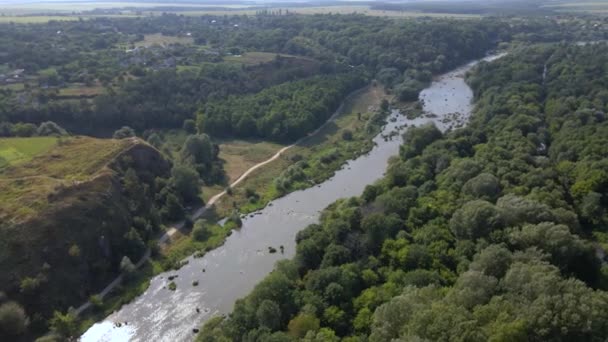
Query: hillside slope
(70,214)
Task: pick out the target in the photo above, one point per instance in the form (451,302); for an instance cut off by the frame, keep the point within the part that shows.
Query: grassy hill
(17,150)
(65,214)
(34,168)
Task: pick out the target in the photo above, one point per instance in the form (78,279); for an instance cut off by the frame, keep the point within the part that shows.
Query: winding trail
(199,212)
(165,238)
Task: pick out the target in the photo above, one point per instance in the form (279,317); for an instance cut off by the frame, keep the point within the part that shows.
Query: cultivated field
(70,7)
(596,7)
(256,58)
(27,12)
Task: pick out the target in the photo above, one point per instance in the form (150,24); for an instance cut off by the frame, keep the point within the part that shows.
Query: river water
(232,270)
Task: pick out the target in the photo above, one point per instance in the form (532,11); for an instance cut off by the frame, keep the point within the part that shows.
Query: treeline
(284,112)
(160,88)
(162,99)
(479,234)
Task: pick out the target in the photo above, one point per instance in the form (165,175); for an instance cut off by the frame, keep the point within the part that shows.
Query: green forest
(159,87)
(486,233)
(494,232)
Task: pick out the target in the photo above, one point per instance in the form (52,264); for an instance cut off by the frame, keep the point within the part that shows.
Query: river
(232,270)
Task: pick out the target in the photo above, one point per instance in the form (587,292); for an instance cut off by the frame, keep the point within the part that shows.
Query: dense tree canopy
(481,234)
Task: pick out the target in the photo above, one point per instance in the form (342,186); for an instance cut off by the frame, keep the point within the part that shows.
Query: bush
(124,132)
(186,182)
(23,129)
(347,135)
(13,320)
(189,126)
(329,156)
(155,140)
(50,128)
(301,324)
(96,301)
(126,265)
(29,285)
(200,232)
(64,325)
(172,286)
(236,218)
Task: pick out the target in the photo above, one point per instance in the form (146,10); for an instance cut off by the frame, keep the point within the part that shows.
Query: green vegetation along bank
(484,233)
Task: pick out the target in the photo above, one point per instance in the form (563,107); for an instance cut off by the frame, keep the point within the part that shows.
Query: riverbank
(249,254)
(358,118)
(347,135)
(354,116)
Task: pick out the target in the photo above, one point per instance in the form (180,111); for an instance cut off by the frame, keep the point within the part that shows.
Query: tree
(200,121)
(384,105)
(126,265)
(74,251)
(309,253)
(484,186)
(134,245)
(189,126)
(246,126)
(475,219)
(124,132)
(568,251)
(50,128)
(186,182)
(301,324)
(64,325)
(200,231)
(172,209)
(13,320)
(378,227)
(591,208)
(23,129)
(408,90)
(415,139)
(198,149)
(155,140)
(493,261)
(268,315)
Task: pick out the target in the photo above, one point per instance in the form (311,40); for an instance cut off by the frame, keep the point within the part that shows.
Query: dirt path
(163,240)
(199,212)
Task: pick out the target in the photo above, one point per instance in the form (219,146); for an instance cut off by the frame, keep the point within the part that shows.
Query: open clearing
(251,58)
(160,39)
(256,58)
(240,155)
(81,91)
(329,137)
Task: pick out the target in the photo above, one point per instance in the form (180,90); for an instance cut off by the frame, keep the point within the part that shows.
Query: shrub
(50,128)
(96,301)
(124,132)
(13,320)
(199,232)
(347,135)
